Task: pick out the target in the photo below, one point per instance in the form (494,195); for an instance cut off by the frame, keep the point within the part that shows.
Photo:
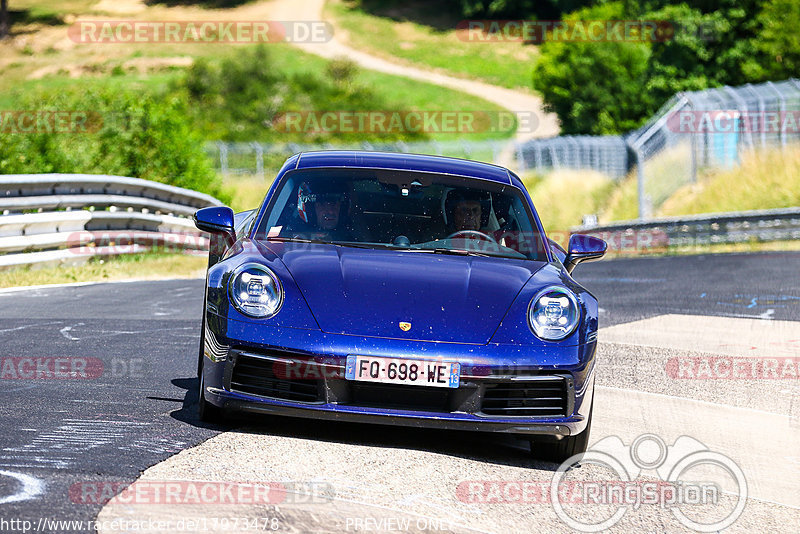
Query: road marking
(28,326)
(8,290)
(58,448)
(31,487)
(66,332)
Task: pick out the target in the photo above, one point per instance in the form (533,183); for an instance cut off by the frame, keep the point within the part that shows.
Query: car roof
(402,161)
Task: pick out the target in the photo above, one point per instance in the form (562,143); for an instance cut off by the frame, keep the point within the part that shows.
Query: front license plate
(402,371)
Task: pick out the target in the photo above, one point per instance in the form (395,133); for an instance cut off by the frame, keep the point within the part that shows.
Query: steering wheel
(474,234)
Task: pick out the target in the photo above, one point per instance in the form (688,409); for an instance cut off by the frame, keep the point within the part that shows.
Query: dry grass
(622,204)
(248,190)
(404,39)
(765,179)
(134,266)
(716,248)
(563,197)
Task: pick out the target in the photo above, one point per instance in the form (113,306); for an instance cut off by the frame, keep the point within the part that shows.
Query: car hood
(368,292)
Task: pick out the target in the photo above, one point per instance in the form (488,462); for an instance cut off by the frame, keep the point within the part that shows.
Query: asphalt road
(137,343)
(763,285)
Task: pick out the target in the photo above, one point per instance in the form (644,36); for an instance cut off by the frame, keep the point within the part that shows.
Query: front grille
(256,376)
(544,397)
(399,397)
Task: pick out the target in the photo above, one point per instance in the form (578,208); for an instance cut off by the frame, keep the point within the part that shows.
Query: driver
(323,207)
(467,215)
(465,211)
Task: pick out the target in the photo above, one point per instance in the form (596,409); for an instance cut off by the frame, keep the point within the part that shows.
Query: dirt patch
(120,7)
(141,64)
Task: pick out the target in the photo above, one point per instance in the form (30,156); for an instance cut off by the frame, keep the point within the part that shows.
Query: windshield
(412,211)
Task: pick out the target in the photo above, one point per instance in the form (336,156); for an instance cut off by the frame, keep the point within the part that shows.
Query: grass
(109,72)
(24,12)
(563,197)
(151,265)
(414,32)
(765,179)
(622,203)
(248,190)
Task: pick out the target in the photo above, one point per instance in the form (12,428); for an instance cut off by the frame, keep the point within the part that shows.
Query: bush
(129,135)
(341,70)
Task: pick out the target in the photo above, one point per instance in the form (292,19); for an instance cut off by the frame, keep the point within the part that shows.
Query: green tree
(595,88)
(778,40)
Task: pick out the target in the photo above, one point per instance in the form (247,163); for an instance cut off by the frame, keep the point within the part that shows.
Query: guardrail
(116,215)
(716,228)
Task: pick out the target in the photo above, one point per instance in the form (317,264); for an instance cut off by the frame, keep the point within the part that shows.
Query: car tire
(559,451)
(207,412)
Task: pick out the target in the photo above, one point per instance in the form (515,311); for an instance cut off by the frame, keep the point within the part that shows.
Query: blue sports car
(399,289)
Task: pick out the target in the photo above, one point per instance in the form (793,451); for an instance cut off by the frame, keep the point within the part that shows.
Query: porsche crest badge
(405,327)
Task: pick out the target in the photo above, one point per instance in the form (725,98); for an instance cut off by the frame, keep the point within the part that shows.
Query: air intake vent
(256,376)
(544,397)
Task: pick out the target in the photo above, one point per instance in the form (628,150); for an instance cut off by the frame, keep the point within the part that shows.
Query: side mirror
(583,248)
(215,220)
(218,221)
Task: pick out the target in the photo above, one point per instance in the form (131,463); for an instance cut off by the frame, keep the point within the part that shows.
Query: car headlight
(553,313)
(255,291)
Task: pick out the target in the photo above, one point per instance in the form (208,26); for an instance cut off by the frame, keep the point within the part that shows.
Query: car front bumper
(301,374)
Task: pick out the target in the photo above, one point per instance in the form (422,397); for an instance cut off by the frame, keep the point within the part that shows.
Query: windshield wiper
(457,252)
(297,240)
(354,244)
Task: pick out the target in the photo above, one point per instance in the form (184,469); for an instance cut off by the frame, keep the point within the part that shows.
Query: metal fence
(254,158)
(710,128)
(607,154)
